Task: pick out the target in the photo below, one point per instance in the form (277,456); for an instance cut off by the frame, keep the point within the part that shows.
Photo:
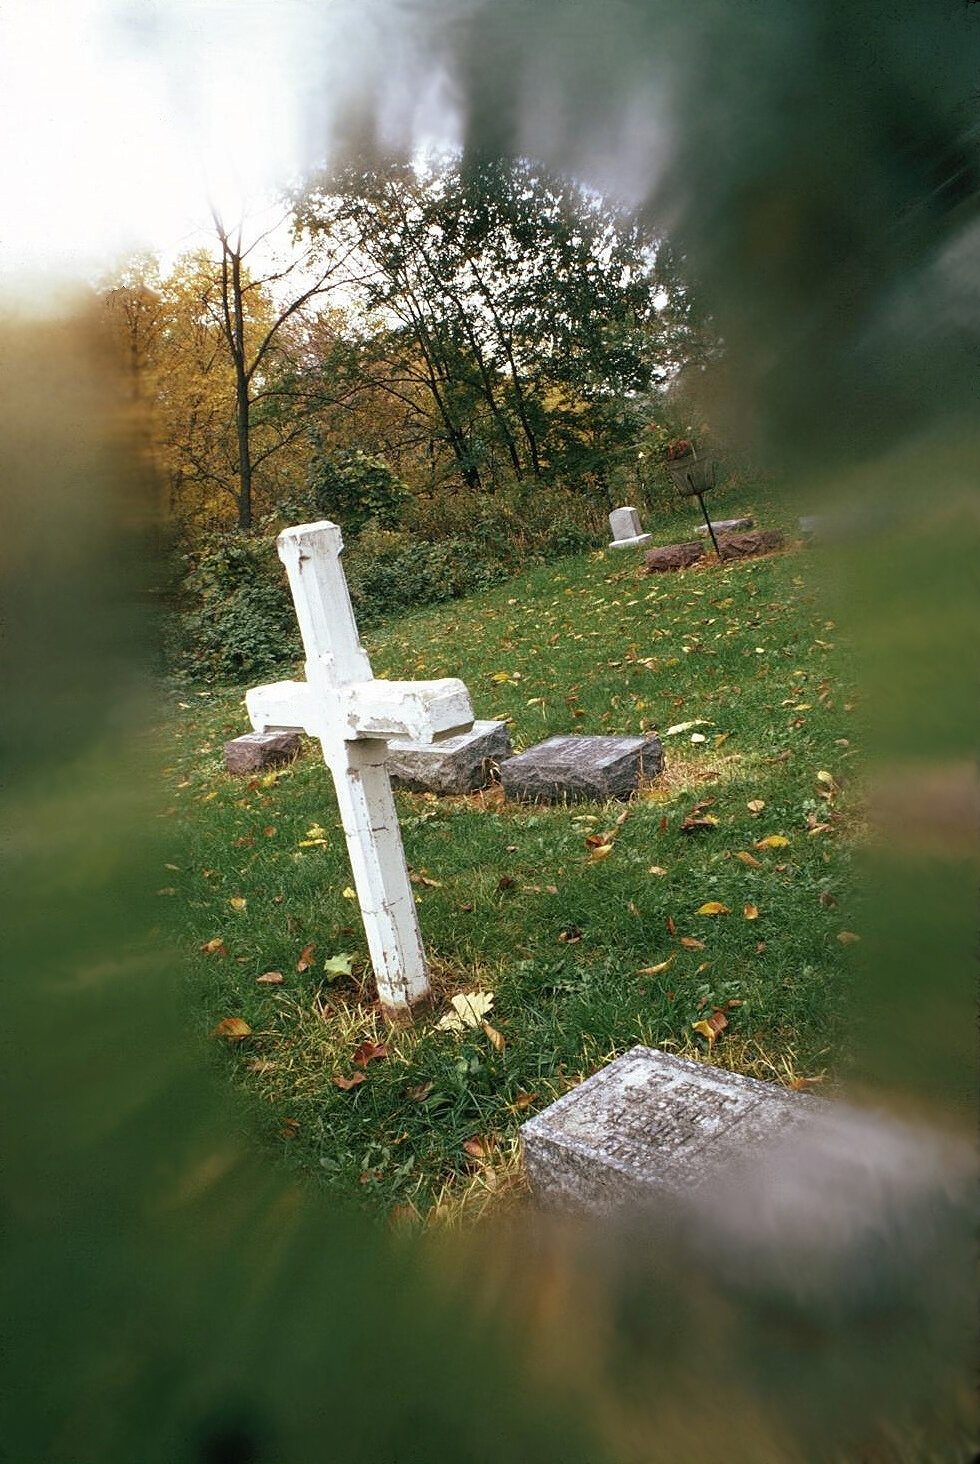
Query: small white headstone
(353,716)
(626,529)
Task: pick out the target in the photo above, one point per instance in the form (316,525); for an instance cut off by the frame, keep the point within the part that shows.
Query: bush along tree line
(463,364)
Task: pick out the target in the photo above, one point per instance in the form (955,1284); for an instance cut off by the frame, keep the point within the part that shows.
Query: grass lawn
(586,948)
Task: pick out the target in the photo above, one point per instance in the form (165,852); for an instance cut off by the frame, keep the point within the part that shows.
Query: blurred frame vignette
(175,1285)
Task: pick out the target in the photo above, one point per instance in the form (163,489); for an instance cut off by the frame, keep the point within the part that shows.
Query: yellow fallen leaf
(602,852)
(495,1038)
(710,1027)
(828,779)
(238,902)
(232,1028)
(655,970)
(747,858)
(756,805)
(772,841)
(500,676)
(348,893)
(469,1008)
(656,869)
(713,907)
(751,912)
(215,947)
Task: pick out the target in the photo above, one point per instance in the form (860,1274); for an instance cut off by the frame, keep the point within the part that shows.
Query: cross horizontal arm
(282,706)
(425,711)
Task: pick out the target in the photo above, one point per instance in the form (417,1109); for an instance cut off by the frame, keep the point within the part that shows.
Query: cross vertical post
(353,715)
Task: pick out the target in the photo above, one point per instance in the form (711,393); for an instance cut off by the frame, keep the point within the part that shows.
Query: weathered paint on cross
(353,715)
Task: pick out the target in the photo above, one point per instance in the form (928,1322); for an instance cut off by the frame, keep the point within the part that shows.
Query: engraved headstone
(626,529)
(454,765)
(575,769)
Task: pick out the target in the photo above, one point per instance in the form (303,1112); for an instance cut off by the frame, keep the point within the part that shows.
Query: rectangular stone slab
(454,765)
(255,751)
(648,1124)
(725,526)
(577,769)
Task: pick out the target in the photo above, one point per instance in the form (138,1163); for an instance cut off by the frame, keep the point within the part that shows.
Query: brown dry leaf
(420,1092)
(478,1148)
(751,912)
(694,825)
(261,1065)
(345,1084)
(827,900)
(656,869)
(404,1217)
(234,1029)
(495,1038)
(270,831)
(270,978)
(506,882)
(369,1052)
(671,927)
(662,826)
(712,1026)
(797,1083)
(598,841)
(691,943)
(421,878)
(524,1100)
(772,841)
(570,935)
(756,805)
(749,859)
(215,947)
(760,947)
(305,958)
(168,890)
(289,1128)
(713,907)
(847,937)
(655,970)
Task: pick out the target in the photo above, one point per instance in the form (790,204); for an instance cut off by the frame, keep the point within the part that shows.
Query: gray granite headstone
(626,529)
(576,769)
(460,764)
(255,751)
(755,1167)
(725,526)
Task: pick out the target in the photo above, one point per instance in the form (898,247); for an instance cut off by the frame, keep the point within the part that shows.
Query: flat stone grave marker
(353,716)
(255,751)
(454,765)
(753,1165)
(578,769)
(725,526)
(626,529)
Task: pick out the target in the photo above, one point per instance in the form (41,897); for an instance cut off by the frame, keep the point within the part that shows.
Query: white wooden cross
(353,715)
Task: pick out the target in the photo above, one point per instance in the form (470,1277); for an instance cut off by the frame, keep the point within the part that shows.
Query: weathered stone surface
(672,556)
(627,531)
(258,750)
(575,769)
(460,764)
(725,526)
(741,546)
(754,1165)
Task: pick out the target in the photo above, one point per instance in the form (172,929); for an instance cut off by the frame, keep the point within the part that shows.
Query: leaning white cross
(353,715)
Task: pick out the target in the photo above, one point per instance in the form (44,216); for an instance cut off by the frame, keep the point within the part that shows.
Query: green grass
(512,900)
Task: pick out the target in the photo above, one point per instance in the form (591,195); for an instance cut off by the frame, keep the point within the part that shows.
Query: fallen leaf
(751,912)
(571,935)
(348,893)
(270,831)
(169,890)
(341,965)
(238,902)
(713,907)
(215,947)
(524,1100)
(261,1065)
(289,1128)
(828,780)
(368,1052)
(599,841)
(671,927)
(692,943)
(345,1084)
(847,937)
(692,825)
(797,1083)
(495,1038)
(760,947)
(827,900)
(697,737)
(747,858)
(602,852)
(772,841)
(655,970)
(305,958)
(420,1092)
(234,1029)
(468,1010)
(656,869)
(710,1027)
(369,1176)
(679,727)
(270,978)
(477,1148)
(756,805)
(423,879)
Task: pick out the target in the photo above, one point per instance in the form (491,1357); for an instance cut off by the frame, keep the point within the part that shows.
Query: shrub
(352,489)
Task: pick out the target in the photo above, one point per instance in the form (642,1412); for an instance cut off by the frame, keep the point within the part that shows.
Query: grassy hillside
(587,947)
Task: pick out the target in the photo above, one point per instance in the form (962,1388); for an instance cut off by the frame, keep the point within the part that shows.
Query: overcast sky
(120,117)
